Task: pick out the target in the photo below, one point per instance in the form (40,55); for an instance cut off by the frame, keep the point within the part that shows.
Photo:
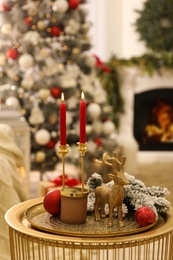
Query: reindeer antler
(105,157)
(121,166)
(122,162)
(114,160)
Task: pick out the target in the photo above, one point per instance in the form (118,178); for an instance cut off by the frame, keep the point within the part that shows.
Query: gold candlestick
(82,148)
(63,151)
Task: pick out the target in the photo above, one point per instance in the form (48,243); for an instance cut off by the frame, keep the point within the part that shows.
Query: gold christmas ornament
(44,93)
(40,156)
(27,83)
(41,25)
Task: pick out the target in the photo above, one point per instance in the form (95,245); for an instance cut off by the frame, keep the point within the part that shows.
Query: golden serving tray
(40,219)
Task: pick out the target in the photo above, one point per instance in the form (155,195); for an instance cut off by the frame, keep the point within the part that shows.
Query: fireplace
(153,119)
(140,93)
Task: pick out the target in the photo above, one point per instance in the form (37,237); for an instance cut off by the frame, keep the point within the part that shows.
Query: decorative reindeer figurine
(112,196)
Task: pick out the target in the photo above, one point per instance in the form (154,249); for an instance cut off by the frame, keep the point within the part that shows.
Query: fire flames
(160,127)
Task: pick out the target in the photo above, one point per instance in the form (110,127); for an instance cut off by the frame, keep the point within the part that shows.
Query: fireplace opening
(153,119)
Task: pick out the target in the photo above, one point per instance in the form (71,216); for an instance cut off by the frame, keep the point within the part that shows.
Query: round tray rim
(16,221)
(42,227)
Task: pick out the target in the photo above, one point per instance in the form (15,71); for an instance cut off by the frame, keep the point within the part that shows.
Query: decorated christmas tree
(44,51)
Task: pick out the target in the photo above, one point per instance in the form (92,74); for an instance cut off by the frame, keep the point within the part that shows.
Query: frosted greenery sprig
(136,194)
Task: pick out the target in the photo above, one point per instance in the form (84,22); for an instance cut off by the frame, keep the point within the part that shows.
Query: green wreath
(155,25)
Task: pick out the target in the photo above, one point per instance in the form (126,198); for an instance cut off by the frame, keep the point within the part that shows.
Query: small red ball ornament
(4,7)
(98,141)
(51,144)
(12,54)
(145,216)
(28,21)
(52,202)
(55,31)
(73,4)
(55,92)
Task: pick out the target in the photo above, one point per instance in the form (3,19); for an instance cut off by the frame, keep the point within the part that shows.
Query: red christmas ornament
(28,21)
(51,144)
(55,92)
(12,54)
(145,216)
(73,4)
(98,141)
(4,7)
(52,202)
(105,119)
(55,31)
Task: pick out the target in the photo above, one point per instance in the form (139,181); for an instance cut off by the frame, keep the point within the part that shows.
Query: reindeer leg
(110,218)
(96,211)
(102,210)
(120,217)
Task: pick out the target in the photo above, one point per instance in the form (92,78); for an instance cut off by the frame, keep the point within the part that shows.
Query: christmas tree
(44,51)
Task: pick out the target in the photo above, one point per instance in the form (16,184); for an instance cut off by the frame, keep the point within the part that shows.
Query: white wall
(98,16)
(113,31)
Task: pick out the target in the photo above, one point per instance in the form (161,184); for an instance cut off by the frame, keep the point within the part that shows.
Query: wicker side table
(29,243)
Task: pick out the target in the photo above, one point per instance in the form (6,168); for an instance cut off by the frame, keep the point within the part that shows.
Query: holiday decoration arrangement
(122,206)
(94,207)
(114,200)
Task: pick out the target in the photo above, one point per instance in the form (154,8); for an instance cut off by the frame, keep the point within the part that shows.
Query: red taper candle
(82,119)
(62,121)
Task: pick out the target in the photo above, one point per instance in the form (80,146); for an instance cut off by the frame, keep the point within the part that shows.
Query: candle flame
(62,97)
(82,96)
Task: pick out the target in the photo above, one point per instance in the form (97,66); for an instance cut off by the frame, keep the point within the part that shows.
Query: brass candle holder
(82,148)
(73,198)
(63,151)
